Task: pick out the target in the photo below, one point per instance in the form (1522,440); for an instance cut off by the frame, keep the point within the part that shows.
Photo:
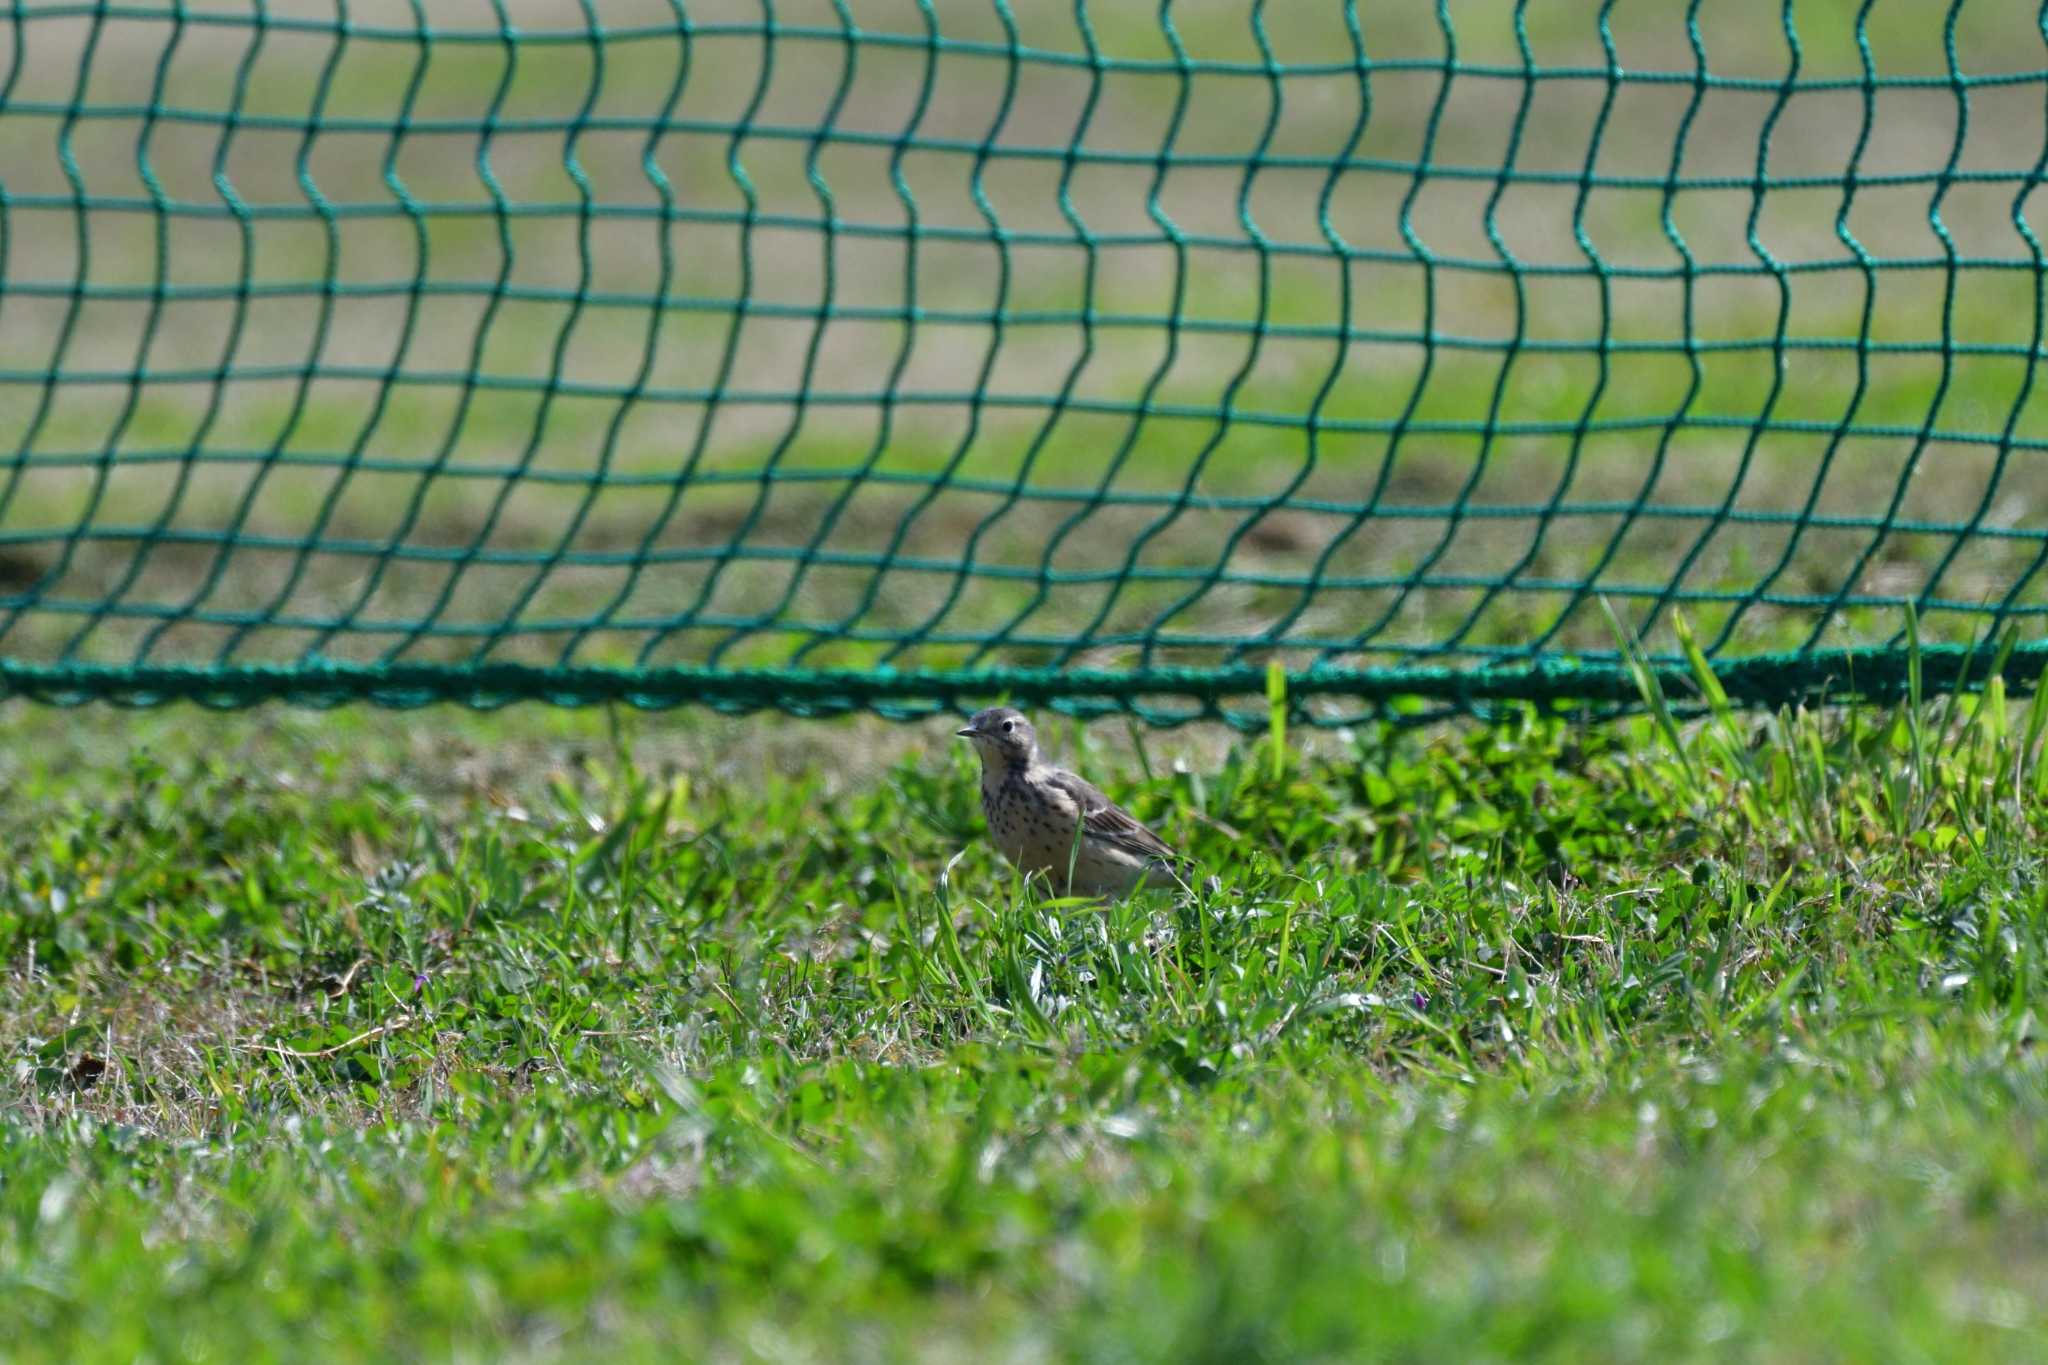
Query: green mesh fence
(896,355)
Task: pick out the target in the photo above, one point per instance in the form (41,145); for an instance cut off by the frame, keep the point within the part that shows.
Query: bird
(1034,809)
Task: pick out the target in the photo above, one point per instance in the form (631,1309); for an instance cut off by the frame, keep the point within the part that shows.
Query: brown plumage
(1033,810)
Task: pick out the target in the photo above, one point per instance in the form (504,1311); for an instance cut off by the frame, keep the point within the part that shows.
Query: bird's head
(1002,737)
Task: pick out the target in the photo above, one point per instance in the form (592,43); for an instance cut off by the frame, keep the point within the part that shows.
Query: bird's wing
(1102,818)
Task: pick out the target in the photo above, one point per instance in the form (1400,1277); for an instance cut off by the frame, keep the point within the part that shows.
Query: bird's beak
(968,733)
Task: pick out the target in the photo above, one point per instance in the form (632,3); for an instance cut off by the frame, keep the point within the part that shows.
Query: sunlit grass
(542,1035)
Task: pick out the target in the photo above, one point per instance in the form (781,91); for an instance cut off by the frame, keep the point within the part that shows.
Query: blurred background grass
(686,342)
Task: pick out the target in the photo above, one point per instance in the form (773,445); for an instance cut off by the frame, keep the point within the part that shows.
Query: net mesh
(895,355)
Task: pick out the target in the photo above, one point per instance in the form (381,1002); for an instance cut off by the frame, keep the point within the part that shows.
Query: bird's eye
(1008,726)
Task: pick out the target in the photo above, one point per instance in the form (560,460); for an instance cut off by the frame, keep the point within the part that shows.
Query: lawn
(1093,336)
(574,1035)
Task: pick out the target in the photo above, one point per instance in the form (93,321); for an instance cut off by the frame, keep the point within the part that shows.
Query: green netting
(891,355)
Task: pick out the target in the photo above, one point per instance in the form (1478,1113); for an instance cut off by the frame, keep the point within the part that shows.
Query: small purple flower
(1419,1000)
(419,982)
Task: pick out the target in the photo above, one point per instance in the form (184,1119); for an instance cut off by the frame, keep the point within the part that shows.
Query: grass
(544,1035)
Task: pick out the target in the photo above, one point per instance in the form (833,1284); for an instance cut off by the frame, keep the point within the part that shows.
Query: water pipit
(1045,819)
